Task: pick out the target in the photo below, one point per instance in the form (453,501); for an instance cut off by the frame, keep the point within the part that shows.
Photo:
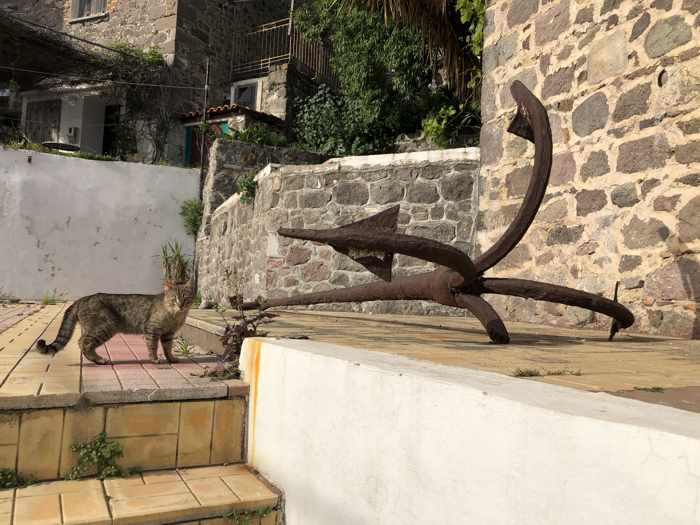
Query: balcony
(274,43)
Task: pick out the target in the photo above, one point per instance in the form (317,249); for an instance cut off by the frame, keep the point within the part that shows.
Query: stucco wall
(359,438)
(621,82)
(82,226)
(435,190)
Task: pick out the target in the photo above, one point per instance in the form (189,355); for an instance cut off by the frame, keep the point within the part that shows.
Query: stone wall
(436,191)
(621,82)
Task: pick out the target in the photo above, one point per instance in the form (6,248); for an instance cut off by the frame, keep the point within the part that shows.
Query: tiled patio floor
(172,496)
(626,365)
(32,380)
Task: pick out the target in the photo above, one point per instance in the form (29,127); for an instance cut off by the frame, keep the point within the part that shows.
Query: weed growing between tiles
(10,479)
(183,347)
(235,331)
(101,455)
(246,517)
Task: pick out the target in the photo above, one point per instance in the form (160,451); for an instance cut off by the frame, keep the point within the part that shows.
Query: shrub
(258,134)
(247,188)
(191,213)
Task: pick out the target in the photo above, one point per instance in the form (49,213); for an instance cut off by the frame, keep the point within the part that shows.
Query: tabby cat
(103,315)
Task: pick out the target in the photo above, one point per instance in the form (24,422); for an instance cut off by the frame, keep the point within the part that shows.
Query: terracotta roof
(231,110)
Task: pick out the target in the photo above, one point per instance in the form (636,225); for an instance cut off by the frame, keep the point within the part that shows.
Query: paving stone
(665,203)
(39,435)
(38,510)
(423,193)
(666,35)
(228,432)
(250,489)
(142,419)
(688,153)
(640,26)
(595,166)
(562,234)
(457,187)
(610,5)
(355,193)
(563,169)
(387,191)
(591,115)
(674,281)
(148,452)
(629,263)
(558,82)
(521,11)
(79,426)
(584,16)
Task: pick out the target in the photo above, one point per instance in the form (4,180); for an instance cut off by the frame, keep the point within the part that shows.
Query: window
(86,8)
(245,94)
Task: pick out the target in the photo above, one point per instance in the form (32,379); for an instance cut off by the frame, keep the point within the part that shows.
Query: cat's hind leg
(166,340)
(97,328)
(88,345)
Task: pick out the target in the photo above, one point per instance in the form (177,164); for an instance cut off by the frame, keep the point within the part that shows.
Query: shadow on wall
(690,276)
(685,288)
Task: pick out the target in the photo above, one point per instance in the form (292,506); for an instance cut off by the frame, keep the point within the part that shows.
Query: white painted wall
(356,438)
(81,226)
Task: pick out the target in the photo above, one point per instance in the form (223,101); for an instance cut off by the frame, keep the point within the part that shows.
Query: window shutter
(75,7)
(101,7)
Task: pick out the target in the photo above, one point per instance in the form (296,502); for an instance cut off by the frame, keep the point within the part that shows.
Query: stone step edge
(152,498)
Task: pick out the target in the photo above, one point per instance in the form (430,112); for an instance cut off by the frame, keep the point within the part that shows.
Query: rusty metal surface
(458,281)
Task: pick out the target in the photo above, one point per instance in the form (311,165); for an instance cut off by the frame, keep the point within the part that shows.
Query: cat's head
(179,296)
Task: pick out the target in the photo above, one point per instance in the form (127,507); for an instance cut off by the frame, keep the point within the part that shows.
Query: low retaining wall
(436,190)
(81,226)
(355,437)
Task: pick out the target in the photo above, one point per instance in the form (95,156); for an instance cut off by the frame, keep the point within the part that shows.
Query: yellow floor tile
(143,419)
(216,471)
(115,484)
(8,456)
(79,426)
(153,490)
(9,429)
(38,510)
(196,422)
(163,476)
(148,453)
(61,487)
(212,492)
(85,509)
(167,508)
(40,438)
(251,490)
(227,437)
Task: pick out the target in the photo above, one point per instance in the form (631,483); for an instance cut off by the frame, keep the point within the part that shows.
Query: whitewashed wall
(363,438)
(81,226)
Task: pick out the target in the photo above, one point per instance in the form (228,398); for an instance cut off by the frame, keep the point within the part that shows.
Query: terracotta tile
(167,508)
(8,456)
(215,471)
(39,510)
(196,421)
(149,452)
(9,429)
(251,490)
(40,438)
(79,426)
(143,419)
(85,509)
(227,438)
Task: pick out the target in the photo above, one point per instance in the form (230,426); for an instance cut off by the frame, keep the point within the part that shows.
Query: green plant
(246,517)
(526,372)
(258,134)
(98,454)
(176,266)
(182,347)
(563,372)
(247,187)
(51,297)
(10,479)
(449,123)
(191,213)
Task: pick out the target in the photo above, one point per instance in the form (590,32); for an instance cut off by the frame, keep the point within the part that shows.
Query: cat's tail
(70,319)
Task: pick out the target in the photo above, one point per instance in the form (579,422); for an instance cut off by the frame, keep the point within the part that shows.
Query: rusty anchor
(458,281)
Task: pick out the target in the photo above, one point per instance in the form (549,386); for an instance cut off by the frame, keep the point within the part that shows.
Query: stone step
(161,415)
(192,495)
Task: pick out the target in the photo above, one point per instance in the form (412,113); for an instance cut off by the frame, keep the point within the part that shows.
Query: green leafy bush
(247,188)
(258,134)
(449,123)
(99,454)
(10,479)
(191,213)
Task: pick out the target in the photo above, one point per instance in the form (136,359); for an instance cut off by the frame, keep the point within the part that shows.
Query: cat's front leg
(152,344)
(167,341)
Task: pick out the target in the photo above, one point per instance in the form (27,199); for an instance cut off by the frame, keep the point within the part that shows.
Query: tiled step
(196,495)
(163,416)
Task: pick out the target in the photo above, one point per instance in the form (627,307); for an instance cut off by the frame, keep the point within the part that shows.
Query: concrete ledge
(376,438)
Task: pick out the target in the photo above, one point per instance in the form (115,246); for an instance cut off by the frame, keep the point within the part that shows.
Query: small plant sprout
(526,372)
(247,517)
(183,347)
(655,389)
(10,479)
(176,266)
(51,298)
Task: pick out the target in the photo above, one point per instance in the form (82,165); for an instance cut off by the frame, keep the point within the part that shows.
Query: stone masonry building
(621,82)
